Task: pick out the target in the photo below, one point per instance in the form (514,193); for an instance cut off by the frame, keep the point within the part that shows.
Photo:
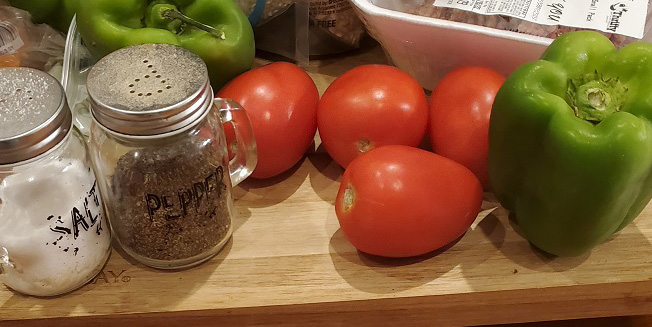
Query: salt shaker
(160,152)
(53,237)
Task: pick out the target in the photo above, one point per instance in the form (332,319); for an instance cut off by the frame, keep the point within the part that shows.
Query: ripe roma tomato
(400,201)
(370,106)
(281,101)
(460,107)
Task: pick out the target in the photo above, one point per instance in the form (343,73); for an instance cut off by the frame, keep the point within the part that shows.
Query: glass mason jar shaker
(53,237)
(160,153)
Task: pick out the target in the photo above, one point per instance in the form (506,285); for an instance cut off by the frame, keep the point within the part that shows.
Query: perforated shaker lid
(149,89)
(34,115)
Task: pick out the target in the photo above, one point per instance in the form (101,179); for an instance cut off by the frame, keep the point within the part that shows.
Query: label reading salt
(625,17)
(10,40)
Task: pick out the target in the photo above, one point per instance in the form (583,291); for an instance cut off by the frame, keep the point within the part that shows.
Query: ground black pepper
(171,201)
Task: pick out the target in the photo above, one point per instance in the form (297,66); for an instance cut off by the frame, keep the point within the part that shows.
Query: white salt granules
(52,227)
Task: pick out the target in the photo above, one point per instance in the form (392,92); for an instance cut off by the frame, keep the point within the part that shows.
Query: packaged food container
(429,47)
(53,236)
(160,152)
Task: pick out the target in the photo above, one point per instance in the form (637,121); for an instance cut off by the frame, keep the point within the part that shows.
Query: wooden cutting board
(289,264)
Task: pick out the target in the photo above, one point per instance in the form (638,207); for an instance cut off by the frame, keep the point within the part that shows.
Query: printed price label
(10,40)
(625,17)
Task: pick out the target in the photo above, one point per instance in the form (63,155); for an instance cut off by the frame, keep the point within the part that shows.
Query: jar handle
(245,153)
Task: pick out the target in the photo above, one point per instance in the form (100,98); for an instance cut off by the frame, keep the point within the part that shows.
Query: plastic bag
(511,23)
(298,29)
(24,44)
(261,11)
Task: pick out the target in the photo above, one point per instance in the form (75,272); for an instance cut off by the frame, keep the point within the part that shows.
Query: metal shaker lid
(149,89)
(34,114)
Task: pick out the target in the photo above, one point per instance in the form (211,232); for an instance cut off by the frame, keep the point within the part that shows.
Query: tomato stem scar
(349,195)
(364,145)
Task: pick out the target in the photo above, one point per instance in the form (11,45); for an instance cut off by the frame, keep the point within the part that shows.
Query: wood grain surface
(288,264)
(637,321)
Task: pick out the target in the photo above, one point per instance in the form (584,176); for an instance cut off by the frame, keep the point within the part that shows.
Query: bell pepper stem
(175,14)
(594,98)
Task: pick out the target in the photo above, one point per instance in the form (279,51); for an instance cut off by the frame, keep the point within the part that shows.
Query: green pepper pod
(215,30)
(56,13)
(570,142)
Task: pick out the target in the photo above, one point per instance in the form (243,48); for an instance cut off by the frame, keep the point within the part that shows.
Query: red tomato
(460,107)
(400,201)
(370,106)
(281,101)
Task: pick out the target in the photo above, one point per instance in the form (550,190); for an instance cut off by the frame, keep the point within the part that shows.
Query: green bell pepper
(570,142)
(215,30)
(56,13)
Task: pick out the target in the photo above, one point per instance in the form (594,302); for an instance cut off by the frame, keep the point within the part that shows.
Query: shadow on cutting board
(121,286)
(325,178)
(389,275)
(517,264)
(379,275)
(260,193)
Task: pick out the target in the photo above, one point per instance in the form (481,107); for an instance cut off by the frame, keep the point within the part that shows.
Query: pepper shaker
(161,156)
(53,237)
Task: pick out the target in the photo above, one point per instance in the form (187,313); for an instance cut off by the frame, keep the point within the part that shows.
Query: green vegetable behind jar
(56,13)
(215,30)
(570,142)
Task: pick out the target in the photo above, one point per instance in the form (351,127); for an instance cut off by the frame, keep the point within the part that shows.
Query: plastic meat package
(614,12)
(24,44)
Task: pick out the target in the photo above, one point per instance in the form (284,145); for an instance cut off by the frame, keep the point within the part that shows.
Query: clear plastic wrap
(261,11)
(24,44)
(299,28)
(502,22)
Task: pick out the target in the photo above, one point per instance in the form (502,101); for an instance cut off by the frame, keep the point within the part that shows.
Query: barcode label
(10,40)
